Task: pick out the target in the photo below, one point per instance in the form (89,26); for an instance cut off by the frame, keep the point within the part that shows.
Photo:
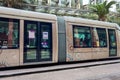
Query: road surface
(101,72)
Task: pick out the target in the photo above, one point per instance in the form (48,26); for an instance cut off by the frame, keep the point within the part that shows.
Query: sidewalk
(101,72)
(18,72)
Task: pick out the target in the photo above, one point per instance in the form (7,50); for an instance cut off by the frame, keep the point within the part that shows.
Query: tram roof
(91,22)
(24,13)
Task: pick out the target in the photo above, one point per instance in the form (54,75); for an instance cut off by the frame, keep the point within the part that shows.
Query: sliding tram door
(37,41)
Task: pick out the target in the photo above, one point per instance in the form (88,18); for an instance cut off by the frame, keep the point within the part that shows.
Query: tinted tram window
(112,37)
(82,36)
(45,36)
(102,37)
(46,41)
(112,42)
(31,35)
(9,33)
(37,41)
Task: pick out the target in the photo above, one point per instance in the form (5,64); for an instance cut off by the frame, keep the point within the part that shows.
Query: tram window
(31,35)
(45,36)
(82,37)
(9,33)
(102,37)
(112,37)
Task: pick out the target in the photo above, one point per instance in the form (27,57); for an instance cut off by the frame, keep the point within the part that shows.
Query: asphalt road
(102,72)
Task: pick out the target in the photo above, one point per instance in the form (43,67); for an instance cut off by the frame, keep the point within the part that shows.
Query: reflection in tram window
(45,53)
(82,37)
(9,33)
(31,54)
(112,38)
(95,40)
(102,37)
(31,28)
(45,34)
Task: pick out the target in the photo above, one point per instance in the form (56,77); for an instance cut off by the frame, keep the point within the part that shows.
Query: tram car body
(28,38)
(87,39)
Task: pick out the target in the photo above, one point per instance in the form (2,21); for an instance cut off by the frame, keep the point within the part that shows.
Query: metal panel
(61,48)
(61,40)
(61,25)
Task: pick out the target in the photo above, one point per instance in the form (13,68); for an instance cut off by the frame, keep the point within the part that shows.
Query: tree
(118,12)
(77,4)
(12,3)
(45,3)
(56,5)
(102,9)
(32,4)
(20,4)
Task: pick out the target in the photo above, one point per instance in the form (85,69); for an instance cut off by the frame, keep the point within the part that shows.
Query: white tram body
(28,37)
(14,55)
(91,39)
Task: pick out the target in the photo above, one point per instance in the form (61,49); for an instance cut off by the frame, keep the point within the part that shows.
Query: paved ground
(103,72)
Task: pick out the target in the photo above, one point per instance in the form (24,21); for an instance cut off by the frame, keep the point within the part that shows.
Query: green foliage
(102,9)
(30,4)
(118,12)
(21,4)
(13,3)
(114,19)
(44,2)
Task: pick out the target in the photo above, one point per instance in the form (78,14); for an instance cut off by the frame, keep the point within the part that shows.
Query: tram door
(37,41)
(112,42)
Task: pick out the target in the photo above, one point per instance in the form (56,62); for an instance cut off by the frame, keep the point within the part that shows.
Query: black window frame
(38,47)
(105,40)
(73,27)
(6,19)
(110,46)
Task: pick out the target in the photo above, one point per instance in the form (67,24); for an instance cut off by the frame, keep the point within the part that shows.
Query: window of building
(9,33)
(82,37)
(102,37)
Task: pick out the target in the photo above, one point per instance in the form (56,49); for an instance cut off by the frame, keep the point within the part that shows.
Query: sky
(114,6)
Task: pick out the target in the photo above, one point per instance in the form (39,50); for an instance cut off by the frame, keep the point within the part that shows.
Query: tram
(28,38)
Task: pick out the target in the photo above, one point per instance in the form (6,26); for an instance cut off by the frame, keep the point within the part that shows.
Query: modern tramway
(28,37)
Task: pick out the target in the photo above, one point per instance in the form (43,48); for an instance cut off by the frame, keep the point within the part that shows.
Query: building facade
(95,1)
(118,5)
